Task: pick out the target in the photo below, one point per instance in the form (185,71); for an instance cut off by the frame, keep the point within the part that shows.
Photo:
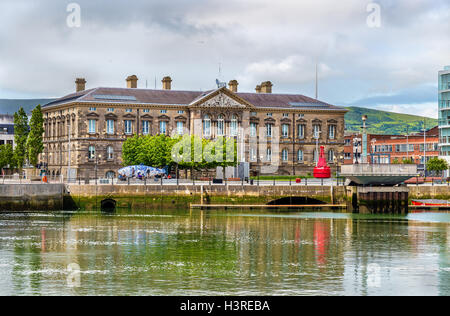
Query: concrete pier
(34,197)
(378,200)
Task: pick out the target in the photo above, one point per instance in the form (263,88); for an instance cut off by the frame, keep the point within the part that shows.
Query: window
(269,114)
(110,109)
(253,128)
(331,155)
(92,128)
(269,130)
(301,131)
(220,125)
(253,157)
(331,131)
(180,128)
(91,152)
(269,154)
(145,127)
(285,114)
(316,130)
(347,156)
(253,113)
(234,125)
(129,110)
(93,109)
(110,152)
(301,115)
(180,112)
(300,155)
(146,110)
(163,111)
(162,127)
(285,130)
(348,142)
(206,126)
(285,155)
(128,127)
(110,127)
(315,156)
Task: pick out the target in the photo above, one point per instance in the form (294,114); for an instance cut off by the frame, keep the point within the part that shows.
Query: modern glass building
(444,113)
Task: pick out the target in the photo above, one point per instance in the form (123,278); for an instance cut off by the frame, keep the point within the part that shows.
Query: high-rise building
(444,113)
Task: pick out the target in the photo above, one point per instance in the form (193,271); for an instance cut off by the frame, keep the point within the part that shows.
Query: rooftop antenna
(317,83)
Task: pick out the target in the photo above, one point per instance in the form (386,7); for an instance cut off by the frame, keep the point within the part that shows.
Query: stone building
(90,126)
(6,129)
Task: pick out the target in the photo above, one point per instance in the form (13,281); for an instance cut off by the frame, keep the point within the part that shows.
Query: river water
(224,253)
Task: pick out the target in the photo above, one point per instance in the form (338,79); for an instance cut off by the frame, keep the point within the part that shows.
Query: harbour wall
(23,197)
(20,197)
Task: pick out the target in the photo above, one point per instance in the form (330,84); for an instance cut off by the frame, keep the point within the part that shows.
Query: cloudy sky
(392,67)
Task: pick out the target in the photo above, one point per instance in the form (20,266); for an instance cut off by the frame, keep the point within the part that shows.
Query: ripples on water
(219,253)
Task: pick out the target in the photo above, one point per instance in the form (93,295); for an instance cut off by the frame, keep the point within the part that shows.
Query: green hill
(382,122)
(10,106)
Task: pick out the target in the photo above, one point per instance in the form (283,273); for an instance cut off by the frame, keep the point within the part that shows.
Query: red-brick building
(393,148)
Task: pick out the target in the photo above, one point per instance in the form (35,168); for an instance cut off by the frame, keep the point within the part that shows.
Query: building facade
(6,129)
(85,130)
(389,149)
(444,113)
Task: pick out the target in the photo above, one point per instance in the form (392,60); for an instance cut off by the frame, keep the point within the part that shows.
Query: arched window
(110,175)
(206,126)
(234,125)
(110,152)
(331,155)
(91,152)
(220,125)
(300,156)
(285,155)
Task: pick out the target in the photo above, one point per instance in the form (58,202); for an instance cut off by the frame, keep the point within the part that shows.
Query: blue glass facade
(444,112)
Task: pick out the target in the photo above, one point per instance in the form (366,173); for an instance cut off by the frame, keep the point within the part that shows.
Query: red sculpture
(322,170)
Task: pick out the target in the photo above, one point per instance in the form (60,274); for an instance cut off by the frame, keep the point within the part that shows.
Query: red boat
(431,203)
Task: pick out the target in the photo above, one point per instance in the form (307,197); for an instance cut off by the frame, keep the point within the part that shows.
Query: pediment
(92,114)
(163,118)
(181,118)
(129,116)
(111,116)
(147,117)
(332,121)
(221,98)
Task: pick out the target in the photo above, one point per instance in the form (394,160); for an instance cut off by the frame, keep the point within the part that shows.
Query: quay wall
(140,196)
(36,197)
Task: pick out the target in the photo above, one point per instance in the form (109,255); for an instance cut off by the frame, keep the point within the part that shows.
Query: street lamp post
(364,140)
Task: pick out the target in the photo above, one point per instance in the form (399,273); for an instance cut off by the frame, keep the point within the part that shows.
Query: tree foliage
(35,145)
(6,156)
(437,164)
(187,152)
(20,136)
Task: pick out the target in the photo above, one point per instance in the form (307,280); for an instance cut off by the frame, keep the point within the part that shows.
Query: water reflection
(215,253)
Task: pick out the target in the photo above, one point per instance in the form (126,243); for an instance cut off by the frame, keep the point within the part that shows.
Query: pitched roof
(175,97)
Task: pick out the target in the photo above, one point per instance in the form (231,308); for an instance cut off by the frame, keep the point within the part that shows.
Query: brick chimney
(80,84)
(266,87)
(233,86)
(258,89)
(132,82)
(167,83)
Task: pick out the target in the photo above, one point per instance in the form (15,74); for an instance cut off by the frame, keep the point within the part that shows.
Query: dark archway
(108,205)
(296,200)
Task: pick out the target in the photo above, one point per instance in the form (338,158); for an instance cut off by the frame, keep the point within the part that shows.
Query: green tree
(408,161)
(395,161)
(6,156)
(20,136)
(437,165)
(35,145)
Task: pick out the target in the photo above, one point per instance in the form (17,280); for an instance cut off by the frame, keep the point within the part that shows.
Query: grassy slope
(381,122)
